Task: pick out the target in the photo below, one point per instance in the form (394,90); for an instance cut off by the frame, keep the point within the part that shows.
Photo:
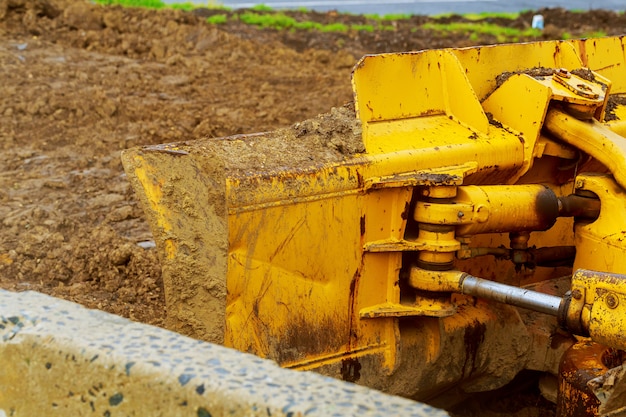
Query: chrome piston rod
(507,294)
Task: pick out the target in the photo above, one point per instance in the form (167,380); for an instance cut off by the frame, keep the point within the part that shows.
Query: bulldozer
(463,222)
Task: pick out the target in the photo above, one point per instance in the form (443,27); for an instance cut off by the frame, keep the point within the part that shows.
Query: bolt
(577,295)
(460,214)
(611,300)
(580,183)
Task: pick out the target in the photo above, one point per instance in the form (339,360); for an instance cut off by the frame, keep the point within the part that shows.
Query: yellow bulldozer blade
(308,245)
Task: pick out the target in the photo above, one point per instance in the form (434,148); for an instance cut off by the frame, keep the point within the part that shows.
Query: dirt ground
(81,82)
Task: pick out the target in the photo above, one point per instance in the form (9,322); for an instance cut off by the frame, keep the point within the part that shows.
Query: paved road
(427,7)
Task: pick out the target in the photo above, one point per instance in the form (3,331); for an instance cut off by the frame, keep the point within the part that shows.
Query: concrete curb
(63,359)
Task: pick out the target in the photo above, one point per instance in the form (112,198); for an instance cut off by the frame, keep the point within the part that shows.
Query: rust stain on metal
(405,212)
(473,337)
(350,369)
(306,338)
(581,363)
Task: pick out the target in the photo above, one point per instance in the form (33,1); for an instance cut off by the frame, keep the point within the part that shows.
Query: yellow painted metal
(437,241)
(592,137)
(312,256)
(605,56)
(397,310)
(525,116)
(280,297)
(600,244)
(599,304)
(485,66)
(496,208)
(405,104)
(436,281)
(408,125)
(619,125)
(410,85)
(563,83)
(582,96)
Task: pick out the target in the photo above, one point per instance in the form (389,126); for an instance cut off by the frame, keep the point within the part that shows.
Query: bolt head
(577,295)
(611,300)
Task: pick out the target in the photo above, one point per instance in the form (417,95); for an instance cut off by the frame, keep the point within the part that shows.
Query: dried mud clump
(613,102)
(327,138)
(535,72)
(338,130)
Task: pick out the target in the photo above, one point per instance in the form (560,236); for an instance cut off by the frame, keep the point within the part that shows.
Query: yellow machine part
(305,262)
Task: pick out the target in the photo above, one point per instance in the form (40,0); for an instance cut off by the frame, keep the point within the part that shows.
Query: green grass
(397,16)
(148,4)
(159,4)
(274,20)
(261,8)
(597,34)
(586,35)
(473,30)
(482,15)
(487,15)
(363,28)
(264,16)
(334,27)
(281,21)
(183,6)
(217,19)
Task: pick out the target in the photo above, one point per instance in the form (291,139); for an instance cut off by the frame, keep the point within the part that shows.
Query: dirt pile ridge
(81,83)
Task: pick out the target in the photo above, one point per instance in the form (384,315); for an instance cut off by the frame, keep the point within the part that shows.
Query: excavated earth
(81,82)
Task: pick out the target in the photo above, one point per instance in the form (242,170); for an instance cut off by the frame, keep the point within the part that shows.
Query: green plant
(362,28)
(501,33)
(261,8)
(217,19)
(183,6)
(596,34)
(148,4)
(397,16)
(482,15)
(275,20)
(487,15)
(216,4)
(586,35)
(334,27)
(159,4)
(281,21)
(308,25)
